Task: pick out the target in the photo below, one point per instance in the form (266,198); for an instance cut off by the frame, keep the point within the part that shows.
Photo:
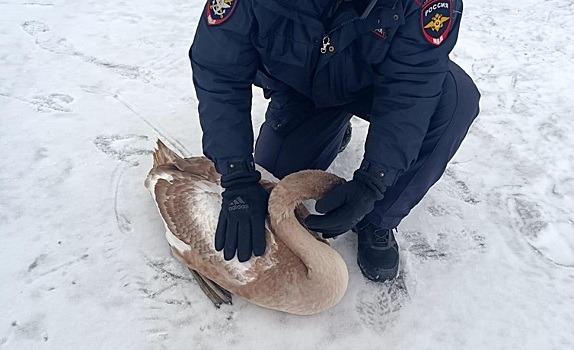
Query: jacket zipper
(326,38)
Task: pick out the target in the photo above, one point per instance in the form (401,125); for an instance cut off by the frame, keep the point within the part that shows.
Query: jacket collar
(311,12)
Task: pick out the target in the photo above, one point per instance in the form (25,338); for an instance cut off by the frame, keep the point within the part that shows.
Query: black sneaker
(346,137)
(378,255)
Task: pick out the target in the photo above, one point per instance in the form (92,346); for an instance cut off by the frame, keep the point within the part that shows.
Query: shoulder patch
(436,20)
(219,11)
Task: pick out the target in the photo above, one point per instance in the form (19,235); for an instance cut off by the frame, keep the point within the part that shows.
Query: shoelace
(382,237)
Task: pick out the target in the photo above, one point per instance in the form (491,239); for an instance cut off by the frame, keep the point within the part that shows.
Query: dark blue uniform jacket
(278,43)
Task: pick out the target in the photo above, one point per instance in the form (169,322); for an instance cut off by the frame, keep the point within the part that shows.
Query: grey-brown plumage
(297,274)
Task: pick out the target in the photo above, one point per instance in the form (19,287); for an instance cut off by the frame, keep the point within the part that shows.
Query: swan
(299,273)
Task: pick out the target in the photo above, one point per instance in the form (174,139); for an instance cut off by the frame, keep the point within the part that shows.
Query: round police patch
(219,11)
(436,20)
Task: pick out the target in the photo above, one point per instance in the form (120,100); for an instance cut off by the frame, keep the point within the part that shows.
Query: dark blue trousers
(297,136)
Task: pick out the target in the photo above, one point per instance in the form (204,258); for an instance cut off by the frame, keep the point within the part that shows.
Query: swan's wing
(190,209)
(199,166)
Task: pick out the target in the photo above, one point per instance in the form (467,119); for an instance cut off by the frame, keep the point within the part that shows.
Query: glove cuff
(240,178)
(374,181)
(225,166)
(388,176)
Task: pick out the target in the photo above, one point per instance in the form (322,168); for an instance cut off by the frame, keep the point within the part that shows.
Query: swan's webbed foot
(214,292)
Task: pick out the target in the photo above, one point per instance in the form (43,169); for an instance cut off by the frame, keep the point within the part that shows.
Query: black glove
(241,223)
(345,205)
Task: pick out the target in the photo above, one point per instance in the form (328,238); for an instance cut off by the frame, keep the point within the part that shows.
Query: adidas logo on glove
(238,204)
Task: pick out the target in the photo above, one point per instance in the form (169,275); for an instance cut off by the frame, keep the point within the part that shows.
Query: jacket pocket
(285,50)
(285,113)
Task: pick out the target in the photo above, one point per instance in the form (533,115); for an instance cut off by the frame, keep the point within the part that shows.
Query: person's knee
(471,101)
(267,148)
(472,98)
(468,95)
(300,136)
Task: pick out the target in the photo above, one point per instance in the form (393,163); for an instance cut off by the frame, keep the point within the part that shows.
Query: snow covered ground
(86,87)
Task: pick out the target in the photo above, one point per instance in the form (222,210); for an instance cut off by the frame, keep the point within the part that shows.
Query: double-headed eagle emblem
(220,6)
(437,22)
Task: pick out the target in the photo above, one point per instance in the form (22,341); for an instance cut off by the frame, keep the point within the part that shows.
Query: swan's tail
(164,155)
(212,290)
(217,294)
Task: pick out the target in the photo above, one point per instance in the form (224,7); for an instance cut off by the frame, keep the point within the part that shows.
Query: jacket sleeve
(408,87)
(224,63)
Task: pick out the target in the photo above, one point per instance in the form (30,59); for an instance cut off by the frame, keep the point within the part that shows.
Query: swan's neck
(312,252)
(290,192)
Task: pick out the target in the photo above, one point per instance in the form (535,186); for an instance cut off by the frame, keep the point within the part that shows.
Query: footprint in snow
(378,306)
(47,41)
(549,237)
(52,102)
(126,148)
(34,27)
(46,103)
(458,189)
(24,331)
(448,246)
